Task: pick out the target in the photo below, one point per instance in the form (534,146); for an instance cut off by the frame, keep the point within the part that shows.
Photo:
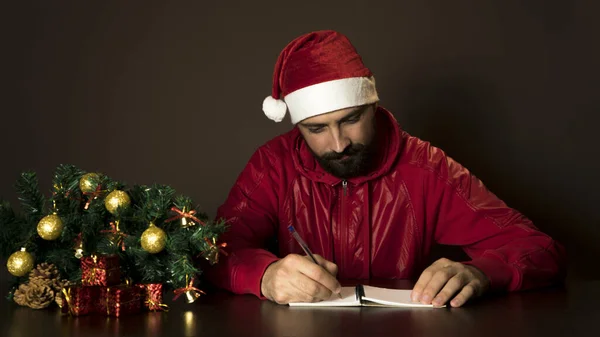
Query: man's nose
(340,142)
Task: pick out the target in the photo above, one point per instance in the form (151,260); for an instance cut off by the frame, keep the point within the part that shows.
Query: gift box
(120,300)
(152,296)
(79,301)
(100,270)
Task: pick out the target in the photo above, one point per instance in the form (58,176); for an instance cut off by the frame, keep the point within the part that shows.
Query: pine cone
(40,281)
(58,299)
(19,295)
(46,270)
(58,285)
(39,296)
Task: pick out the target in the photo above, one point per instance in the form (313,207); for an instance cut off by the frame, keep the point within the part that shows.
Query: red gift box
(152,296)
(119,300)
(79,301)
(100,270)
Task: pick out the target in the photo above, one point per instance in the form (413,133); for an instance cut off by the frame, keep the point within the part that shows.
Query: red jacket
(378,226)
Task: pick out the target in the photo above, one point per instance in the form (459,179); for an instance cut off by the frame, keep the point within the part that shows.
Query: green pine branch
(32,200)
(182,270)
(65,195)
(10,229)
(152,202)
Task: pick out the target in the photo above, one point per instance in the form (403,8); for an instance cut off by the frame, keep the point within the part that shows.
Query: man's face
(342,140)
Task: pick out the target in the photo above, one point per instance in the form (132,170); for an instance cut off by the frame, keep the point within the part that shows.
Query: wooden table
(573,310)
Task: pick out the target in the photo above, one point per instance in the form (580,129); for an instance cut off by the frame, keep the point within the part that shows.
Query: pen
(301,243)
(304,246)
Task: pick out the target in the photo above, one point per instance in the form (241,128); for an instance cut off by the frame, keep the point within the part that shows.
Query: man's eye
(352,120)
(315,130)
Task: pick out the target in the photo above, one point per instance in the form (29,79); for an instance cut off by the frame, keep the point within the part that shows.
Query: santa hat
(316,73)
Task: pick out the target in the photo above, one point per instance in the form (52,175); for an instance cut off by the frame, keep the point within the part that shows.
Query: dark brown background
(171,93)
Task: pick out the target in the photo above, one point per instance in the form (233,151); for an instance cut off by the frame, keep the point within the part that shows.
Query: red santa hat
(316,73)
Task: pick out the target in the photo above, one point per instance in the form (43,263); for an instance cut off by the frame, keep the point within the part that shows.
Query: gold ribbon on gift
(67,293)
(153,306)
(117,302)
(90,277)
(92,272)
(107,296)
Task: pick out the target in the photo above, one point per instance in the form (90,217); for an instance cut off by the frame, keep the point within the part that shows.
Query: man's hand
(445,280)
(296,278)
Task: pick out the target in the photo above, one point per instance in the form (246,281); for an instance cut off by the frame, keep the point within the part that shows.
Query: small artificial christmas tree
(97,232)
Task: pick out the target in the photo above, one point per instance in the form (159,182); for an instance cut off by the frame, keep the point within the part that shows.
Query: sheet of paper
(394,297)
(348,300)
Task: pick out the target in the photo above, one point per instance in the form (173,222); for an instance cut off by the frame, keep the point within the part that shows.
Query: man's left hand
(447,280)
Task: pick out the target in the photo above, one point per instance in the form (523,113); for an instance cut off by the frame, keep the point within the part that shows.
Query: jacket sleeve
(502,243)
(251,209)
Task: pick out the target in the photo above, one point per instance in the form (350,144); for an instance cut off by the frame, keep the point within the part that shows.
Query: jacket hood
(388,132)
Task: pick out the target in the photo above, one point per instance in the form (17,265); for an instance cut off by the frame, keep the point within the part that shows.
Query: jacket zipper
(343,226)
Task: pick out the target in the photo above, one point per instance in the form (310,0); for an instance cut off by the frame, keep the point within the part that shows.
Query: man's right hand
(297,278)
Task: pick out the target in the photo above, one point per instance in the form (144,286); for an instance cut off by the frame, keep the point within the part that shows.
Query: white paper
(348,300)
(392,297)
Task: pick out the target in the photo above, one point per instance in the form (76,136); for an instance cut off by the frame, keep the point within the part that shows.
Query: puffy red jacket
(378,226)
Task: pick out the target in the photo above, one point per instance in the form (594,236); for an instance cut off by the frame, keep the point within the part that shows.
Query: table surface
(570,310)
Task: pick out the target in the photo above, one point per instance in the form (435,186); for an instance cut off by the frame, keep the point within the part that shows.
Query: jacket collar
(390,144)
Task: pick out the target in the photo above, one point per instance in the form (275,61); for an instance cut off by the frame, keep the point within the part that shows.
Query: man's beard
(358,161)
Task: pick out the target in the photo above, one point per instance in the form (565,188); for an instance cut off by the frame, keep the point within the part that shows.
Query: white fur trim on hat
(274,108)
(329,96)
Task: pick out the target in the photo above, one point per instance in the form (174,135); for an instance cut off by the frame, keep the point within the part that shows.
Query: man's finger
(311,289)
(452,287)
(320,275)
(465,294)
(291,293)
(331,267)
(424,279)
(436,283)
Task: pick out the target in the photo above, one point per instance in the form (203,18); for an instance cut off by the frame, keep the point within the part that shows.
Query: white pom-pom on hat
(274,108)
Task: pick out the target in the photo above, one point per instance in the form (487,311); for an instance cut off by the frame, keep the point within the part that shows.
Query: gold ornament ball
(89,182)
(115,200)
(20,263)
(154,239)
(50,227)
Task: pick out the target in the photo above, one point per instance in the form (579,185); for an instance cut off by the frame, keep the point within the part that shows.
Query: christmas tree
(153,236)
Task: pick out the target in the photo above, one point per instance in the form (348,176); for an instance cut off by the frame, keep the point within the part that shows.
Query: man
(369,199)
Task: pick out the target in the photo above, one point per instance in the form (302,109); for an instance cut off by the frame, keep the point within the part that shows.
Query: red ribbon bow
(114,230)
(189,287)
(181,214)
(92,195)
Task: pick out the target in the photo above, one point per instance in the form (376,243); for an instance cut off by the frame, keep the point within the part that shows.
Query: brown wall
(172,93)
